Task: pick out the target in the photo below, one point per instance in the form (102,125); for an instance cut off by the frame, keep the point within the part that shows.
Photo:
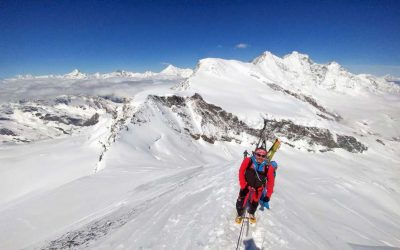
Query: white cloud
(377,70)
(241,46)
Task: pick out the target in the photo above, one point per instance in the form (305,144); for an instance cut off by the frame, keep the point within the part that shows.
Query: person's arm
(242,170)
(270,182)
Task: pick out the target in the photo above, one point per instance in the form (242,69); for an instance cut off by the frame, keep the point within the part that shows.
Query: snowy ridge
(200,120)
(299,70)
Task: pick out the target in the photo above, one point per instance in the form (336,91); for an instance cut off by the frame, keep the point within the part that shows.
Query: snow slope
(162,172)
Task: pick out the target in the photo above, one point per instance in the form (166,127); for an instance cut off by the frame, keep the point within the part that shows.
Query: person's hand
(264,204)
(265,199)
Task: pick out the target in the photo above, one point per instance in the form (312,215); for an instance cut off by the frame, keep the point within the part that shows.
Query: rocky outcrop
(217,124)
(350,144)
(67,120)
(312,135)
(92,120)
(5,131)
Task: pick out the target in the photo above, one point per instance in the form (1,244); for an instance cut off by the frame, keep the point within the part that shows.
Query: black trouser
(239,202)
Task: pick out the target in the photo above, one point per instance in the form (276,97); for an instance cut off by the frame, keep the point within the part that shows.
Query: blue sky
(48,36)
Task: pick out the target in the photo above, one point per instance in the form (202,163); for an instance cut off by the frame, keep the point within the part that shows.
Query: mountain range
(76,74)
(127,160)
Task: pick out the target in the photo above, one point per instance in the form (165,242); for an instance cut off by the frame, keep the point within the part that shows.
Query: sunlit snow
(147,184)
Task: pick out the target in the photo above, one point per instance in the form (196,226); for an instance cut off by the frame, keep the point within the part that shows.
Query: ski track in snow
(197,207)
(160,215)
(176,189)
(113,220)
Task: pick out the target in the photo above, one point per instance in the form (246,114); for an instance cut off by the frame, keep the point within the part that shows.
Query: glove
(265,199)
(264,204)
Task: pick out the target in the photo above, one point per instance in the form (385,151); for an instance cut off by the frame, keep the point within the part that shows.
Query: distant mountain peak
(266,55)
(299,57)
(172,70)
(295,70)
(75,71)
(298,54)
(335,65)
(75,74)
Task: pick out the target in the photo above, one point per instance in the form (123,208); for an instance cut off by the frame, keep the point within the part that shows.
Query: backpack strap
(264,164)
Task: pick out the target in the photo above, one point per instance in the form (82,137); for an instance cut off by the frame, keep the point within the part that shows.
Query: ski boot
(239,219)
(252,219)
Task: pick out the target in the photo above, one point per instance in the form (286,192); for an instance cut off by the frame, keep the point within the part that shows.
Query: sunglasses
(263,156)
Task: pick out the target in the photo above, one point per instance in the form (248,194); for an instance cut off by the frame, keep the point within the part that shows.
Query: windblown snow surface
(155,186)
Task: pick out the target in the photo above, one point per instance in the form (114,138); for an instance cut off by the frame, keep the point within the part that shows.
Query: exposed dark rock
(21,140)
(62,130)
(228,126)
(208,139)
(63,119)
(312,135)
(325,117)
(6,131)
(92,121)
(381,142)
(29,109)
(4,119)
(63,100)
(350,144)
(396,138)
(226,138)
(114,98)
(195,136)
(171,100)
(325,150)
(296,132)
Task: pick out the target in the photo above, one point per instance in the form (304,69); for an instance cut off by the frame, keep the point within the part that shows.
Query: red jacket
(270,176)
